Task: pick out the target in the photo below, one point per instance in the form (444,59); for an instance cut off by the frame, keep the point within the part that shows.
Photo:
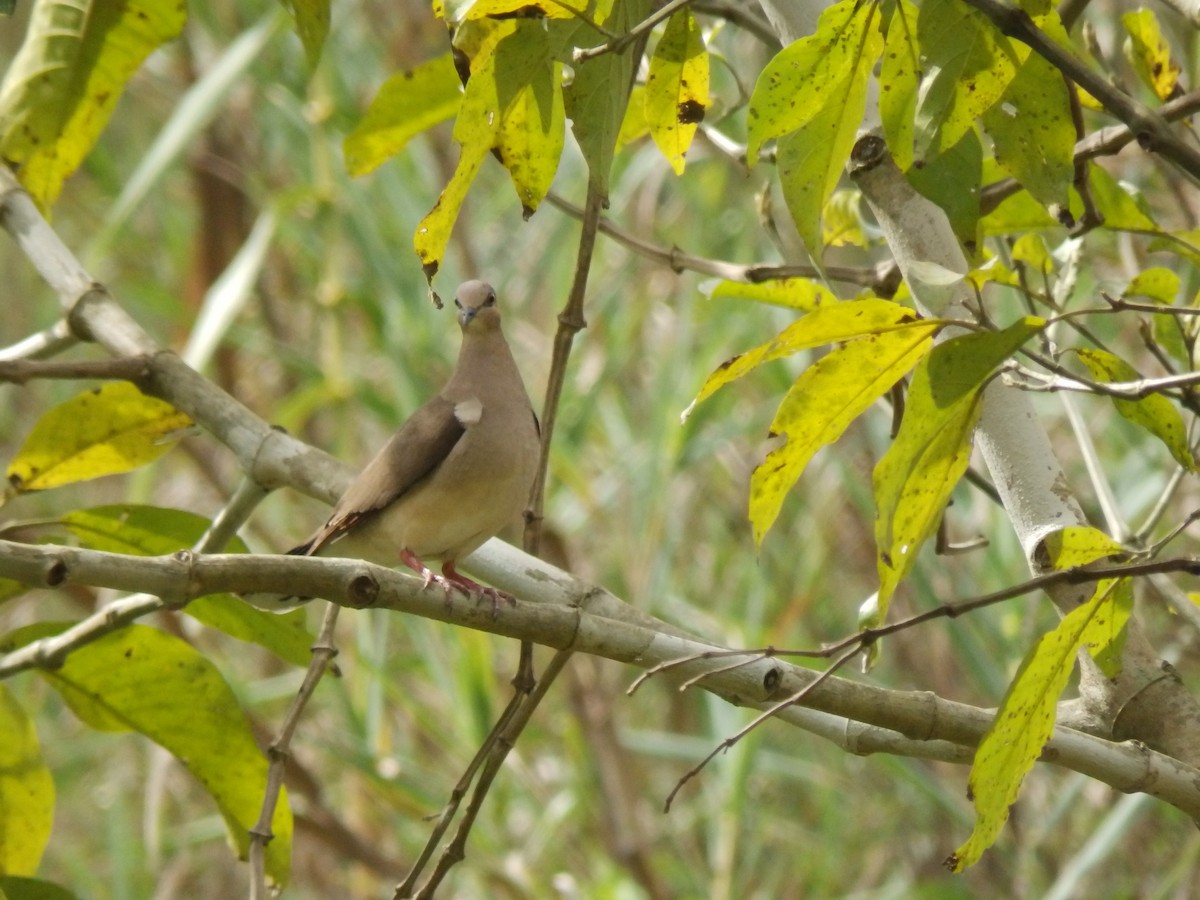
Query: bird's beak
(467,314)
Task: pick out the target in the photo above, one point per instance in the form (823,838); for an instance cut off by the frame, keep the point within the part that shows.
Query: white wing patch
(468,412)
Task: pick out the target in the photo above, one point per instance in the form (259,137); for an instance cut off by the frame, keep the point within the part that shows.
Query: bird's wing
(420,446)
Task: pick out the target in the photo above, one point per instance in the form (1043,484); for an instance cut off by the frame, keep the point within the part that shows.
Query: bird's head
(477,310)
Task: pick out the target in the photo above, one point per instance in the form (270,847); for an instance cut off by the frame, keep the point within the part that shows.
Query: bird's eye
(491,299)
(457,304)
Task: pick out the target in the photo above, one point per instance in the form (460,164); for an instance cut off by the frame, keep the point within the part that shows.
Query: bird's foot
(471,586)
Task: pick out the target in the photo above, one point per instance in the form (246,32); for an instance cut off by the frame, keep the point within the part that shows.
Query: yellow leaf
(1149,53)
(825,325)
(1154,412)
(532,127)
(592,10)
(793,293)
(677,87)
(106,431)
(61,88)
(1025,720)
(26,792)
(914,478)
(823,401)
(407,104)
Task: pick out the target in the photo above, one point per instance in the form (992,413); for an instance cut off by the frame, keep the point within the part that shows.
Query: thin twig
(1153,133)
(620,42)
(1107,141)
(769,713)
(456,849)
(882,279)
(323,652)
(42,344)
(129,368)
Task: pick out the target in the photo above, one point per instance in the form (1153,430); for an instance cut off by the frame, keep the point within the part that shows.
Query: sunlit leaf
(914,478)
(61,88)
(1032,131)
(154,531)
(795,86)
(841,221)
(793,293)
(1031,250)
(111,429)
(1019,213)
(899,79)
(407,104)
(1025,720)
(810,159)
(475,129)
(532,126)
(823,401)
(968,65)
(1154,412)
(825,325)
(1156,283)
(1116,204)
(634,126)
(677,87)
(1149,53)
(26,791)
(593,10)
(142,679)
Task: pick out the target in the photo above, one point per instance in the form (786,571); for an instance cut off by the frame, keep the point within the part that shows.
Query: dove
(458,470)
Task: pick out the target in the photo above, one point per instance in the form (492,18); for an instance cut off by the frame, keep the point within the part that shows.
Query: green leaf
(312,24)
(677,87)
(969,65)
(914,478)
(597,97)
(1120,210)
(66,79)
(1025,720)
(1154,412)
(821,404)
(530,136)
(153,531)
(1032,131)
(899,81)
(1150,54)
(1156,283)
(1017,214)
(811,159)
(108,430)
(825,325)
(142,679)
(795,86)
(407,104)
(13,887)
(951,180)
(793,293)
(26,791)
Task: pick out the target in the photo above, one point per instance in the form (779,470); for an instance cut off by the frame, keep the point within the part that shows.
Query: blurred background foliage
(340,342)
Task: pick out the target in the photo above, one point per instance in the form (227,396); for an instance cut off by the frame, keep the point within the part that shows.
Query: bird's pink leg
(413,561)
(455,577)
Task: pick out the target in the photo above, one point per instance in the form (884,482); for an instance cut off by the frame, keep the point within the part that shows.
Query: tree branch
(560,611)
(1152,132)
